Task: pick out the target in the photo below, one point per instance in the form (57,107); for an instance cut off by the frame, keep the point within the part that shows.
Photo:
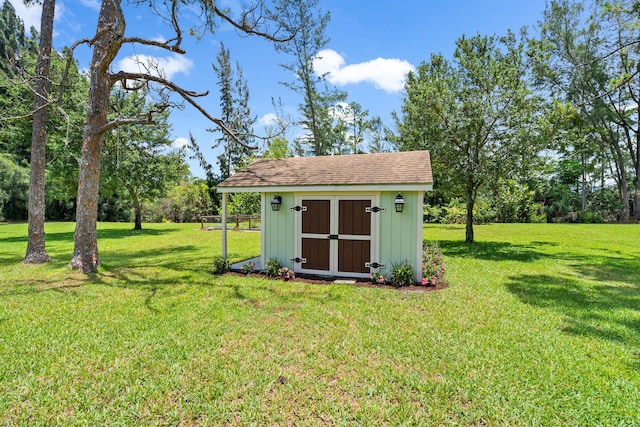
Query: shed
(336,215)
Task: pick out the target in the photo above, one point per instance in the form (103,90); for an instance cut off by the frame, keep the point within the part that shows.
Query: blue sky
(372,45)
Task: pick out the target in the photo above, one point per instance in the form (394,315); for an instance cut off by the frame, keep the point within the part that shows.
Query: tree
(106,44)
(358,128)
(187,202)
(621,28)
(318,98)
(13,40)
(475,115)
(591,62)
(64,119)
(14,187)
(236,113)
(140,159)
(18,53)
(278,148)
(36,251)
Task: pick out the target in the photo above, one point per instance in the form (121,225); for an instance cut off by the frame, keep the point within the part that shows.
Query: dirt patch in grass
(319,280)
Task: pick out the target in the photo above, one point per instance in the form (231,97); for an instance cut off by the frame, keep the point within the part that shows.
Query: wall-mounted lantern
(399,202)
(275,203)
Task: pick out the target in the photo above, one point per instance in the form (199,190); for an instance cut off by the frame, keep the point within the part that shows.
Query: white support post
(224,225)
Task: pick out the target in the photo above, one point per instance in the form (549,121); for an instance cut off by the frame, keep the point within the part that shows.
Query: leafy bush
(455,212)
(401,274)
(220,265)
(590,217)
(432,264)
(514,201)
(244,204)
(248,268)
(273,266)
(482,212)
(432,214)
(285,273)
(377,277)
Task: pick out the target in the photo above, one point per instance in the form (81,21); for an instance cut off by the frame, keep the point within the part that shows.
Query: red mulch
(359,282)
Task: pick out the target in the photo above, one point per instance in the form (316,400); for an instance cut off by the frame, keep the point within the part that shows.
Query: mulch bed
(316,280)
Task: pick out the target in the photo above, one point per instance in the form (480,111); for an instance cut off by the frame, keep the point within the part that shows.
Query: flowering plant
(286,273)
(432,264)
(249,267)
(377,278)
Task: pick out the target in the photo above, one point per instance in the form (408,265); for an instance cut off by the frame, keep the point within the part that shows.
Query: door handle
(332,237)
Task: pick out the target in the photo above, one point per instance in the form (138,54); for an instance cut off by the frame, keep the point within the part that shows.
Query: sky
(373,45)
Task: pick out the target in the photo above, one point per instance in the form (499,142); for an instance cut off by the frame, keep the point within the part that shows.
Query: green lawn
(540,326)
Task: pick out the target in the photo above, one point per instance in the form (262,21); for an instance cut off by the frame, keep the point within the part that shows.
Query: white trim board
(327,188)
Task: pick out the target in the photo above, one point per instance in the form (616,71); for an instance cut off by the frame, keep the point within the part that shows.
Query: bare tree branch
(250,22)
(125,122)
(174,44)
(186,95)
(164,45)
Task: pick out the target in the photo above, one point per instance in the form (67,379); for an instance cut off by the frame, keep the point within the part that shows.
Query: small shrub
(285,273)
(220,265)
(401,274)
(273,266)
(432,264)
(377,278)
(248,267)
(590,217)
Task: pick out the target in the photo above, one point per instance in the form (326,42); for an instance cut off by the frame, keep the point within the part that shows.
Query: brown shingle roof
(409,167)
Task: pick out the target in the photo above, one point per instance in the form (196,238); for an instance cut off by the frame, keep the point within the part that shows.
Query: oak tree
(475,114)
(109,38)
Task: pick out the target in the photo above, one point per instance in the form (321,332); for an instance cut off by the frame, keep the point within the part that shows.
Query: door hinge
(373,265)
(374,209)
(299,208)
(298,260)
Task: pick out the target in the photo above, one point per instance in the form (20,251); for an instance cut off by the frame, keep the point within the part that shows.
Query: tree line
(520,127)
(543,127)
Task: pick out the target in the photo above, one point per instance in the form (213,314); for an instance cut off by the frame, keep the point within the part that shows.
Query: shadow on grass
(595,310)
(610,269)
(103,233)
(493,251)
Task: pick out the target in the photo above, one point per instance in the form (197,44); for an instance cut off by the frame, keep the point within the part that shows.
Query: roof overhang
(326,188)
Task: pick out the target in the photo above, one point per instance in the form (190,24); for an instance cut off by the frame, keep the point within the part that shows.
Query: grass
(540,326)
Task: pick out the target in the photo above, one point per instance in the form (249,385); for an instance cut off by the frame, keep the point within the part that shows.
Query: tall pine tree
(236,114)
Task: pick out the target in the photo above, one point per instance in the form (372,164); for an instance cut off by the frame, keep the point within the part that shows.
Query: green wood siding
(279,229)
(398,239)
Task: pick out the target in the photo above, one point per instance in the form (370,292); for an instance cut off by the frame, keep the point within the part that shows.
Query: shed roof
(385,170)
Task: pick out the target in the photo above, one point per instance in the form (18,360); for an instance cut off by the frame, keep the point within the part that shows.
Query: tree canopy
(476,114)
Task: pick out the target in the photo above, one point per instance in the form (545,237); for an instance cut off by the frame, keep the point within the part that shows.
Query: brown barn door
(316,226)
(336,235)
(354,236)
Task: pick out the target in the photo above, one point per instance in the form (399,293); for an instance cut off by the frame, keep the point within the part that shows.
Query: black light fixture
(275,203)
(399,203)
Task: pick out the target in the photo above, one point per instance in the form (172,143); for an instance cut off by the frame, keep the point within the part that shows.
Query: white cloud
(387,74)
(159,39)
(268,119)
(29,15)
(180,142)
(167,66)
(92,4)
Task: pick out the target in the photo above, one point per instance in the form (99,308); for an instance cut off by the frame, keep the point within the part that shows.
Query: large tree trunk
(36,251)
(622,181)
(137,207)
(470,204)
(105,47)
(636,198)
(636,161)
